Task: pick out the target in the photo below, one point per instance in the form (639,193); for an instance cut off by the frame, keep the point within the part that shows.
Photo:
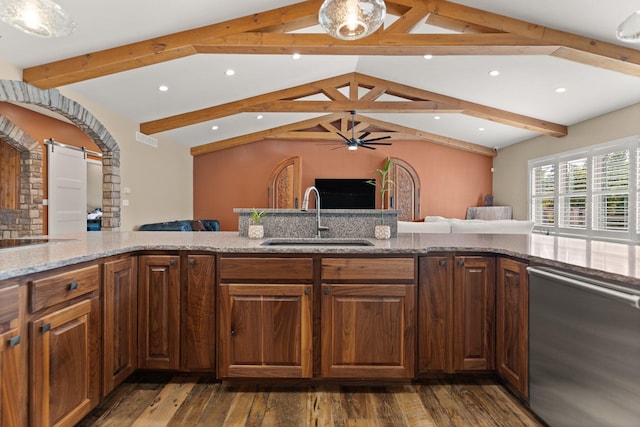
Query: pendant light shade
(629,30)
(351,19)
(42,18)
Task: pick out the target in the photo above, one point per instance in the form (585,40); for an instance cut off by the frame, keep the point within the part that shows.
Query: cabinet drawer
(368,269)
(9,305)
(53,290)
(266,269)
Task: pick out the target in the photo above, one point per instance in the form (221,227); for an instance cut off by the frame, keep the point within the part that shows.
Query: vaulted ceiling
(449,99)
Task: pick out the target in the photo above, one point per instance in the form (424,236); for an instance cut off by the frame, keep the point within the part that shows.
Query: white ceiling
(525,86)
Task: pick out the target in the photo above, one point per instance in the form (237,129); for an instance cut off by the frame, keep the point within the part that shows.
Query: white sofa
(437,224)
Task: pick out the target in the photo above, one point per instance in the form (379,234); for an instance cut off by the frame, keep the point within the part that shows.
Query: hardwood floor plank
(413,411)
(202,401)
(166,403)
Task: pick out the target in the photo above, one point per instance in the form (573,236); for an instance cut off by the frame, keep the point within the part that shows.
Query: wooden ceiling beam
(361,106)
(159,49)
(470,108)
(457,25)
(573,47)
(408,20)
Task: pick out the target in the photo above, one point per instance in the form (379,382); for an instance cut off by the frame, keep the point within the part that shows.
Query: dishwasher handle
(623,297)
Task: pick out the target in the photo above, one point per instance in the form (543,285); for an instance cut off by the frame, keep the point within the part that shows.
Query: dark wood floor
(162,400)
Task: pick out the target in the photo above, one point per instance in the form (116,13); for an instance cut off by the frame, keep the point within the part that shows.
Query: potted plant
(256,229)
(383,231)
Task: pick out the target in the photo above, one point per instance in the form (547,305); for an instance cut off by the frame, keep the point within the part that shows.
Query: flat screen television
(349,193)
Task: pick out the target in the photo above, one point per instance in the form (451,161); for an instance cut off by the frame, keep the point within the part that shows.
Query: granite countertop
(606,260)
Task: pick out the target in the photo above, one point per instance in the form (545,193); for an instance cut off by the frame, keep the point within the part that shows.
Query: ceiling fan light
(42,18)
(351,19)
(629,30)
(352,147)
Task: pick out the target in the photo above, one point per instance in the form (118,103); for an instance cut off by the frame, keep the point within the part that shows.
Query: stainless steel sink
(316,242)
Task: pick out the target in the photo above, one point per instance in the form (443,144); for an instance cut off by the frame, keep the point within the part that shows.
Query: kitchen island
(402,309)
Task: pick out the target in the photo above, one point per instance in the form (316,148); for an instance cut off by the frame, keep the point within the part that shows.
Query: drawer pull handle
(46,327)
(172,262)
(73,286)
(14,341)
(326,291)
(443,263)
(192,261)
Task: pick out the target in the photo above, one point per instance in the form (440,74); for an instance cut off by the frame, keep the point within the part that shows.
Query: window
(591,192)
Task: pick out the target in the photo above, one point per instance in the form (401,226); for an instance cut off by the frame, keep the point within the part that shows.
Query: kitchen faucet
(305,207)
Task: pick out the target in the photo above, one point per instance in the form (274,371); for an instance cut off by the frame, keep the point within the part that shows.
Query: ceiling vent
(146,139)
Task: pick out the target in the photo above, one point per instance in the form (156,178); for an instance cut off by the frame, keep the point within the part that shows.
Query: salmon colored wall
(41,127)
(451,180)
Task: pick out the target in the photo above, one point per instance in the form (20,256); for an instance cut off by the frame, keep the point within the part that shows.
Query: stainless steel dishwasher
(584,351)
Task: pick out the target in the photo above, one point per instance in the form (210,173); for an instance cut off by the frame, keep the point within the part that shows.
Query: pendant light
(351,19)
(629,30)
(42,18)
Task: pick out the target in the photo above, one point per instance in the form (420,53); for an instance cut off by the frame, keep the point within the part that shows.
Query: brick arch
(51,99)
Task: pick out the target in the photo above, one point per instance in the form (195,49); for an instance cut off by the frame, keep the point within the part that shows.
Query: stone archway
(21,92)
(27,219)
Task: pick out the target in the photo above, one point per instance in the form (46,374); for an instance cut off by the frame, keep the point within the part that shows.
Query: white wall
(160,179)
(510,178)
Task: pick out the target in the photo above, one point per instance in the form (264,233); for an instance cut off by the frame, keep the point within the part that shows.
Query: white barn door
(67,190)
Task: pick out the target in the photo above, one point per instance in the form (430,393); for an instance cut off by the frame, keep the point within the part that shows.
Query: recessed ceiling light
(259,116)
(561,89)
(494,73)
(296,55)
(427,56)
(163,88)
(481,129)
(214,127)
(229,72)
(436,117)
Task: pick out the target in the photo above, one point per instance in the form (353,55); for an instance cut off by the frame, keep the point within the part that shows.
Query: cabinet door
(13,375)
(120,327)
(159,312)
(199,337)
(368,330)
(474,313)
(65,357)
(512,312)
(265,330)
(435,345)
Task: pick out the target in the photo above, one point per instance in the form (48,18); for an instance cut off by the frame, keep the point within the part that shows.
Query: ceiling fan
(353,143)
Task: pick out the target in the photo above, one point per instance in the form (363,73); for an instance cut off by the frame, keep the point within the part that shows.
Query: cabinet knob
(307,292)
(192,261)
(73,286)
(46,327)
(326,291)
(443,263)
(14,341)
(172,262)
(233,332)
(461,263)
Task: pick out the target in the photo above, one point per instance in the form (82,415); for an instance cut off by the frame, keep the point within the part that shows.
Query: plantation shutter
(542,195)
(572,190)
(611,191)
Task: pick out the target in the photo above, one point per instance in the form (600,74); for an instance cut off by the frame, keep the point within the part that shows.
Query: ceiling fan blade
(337,148)
(375,143)
(344,137)
(376,139)
(364,135)
(367,147)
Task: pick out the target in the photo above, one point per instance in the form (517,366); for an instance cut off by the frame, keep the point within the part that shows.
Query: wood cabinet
(474,313)
(159,311)
(265,317)
(120,321)
(198,327)
(456,321)
(13,366)
(512,312)
(64,347)
(368,317)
